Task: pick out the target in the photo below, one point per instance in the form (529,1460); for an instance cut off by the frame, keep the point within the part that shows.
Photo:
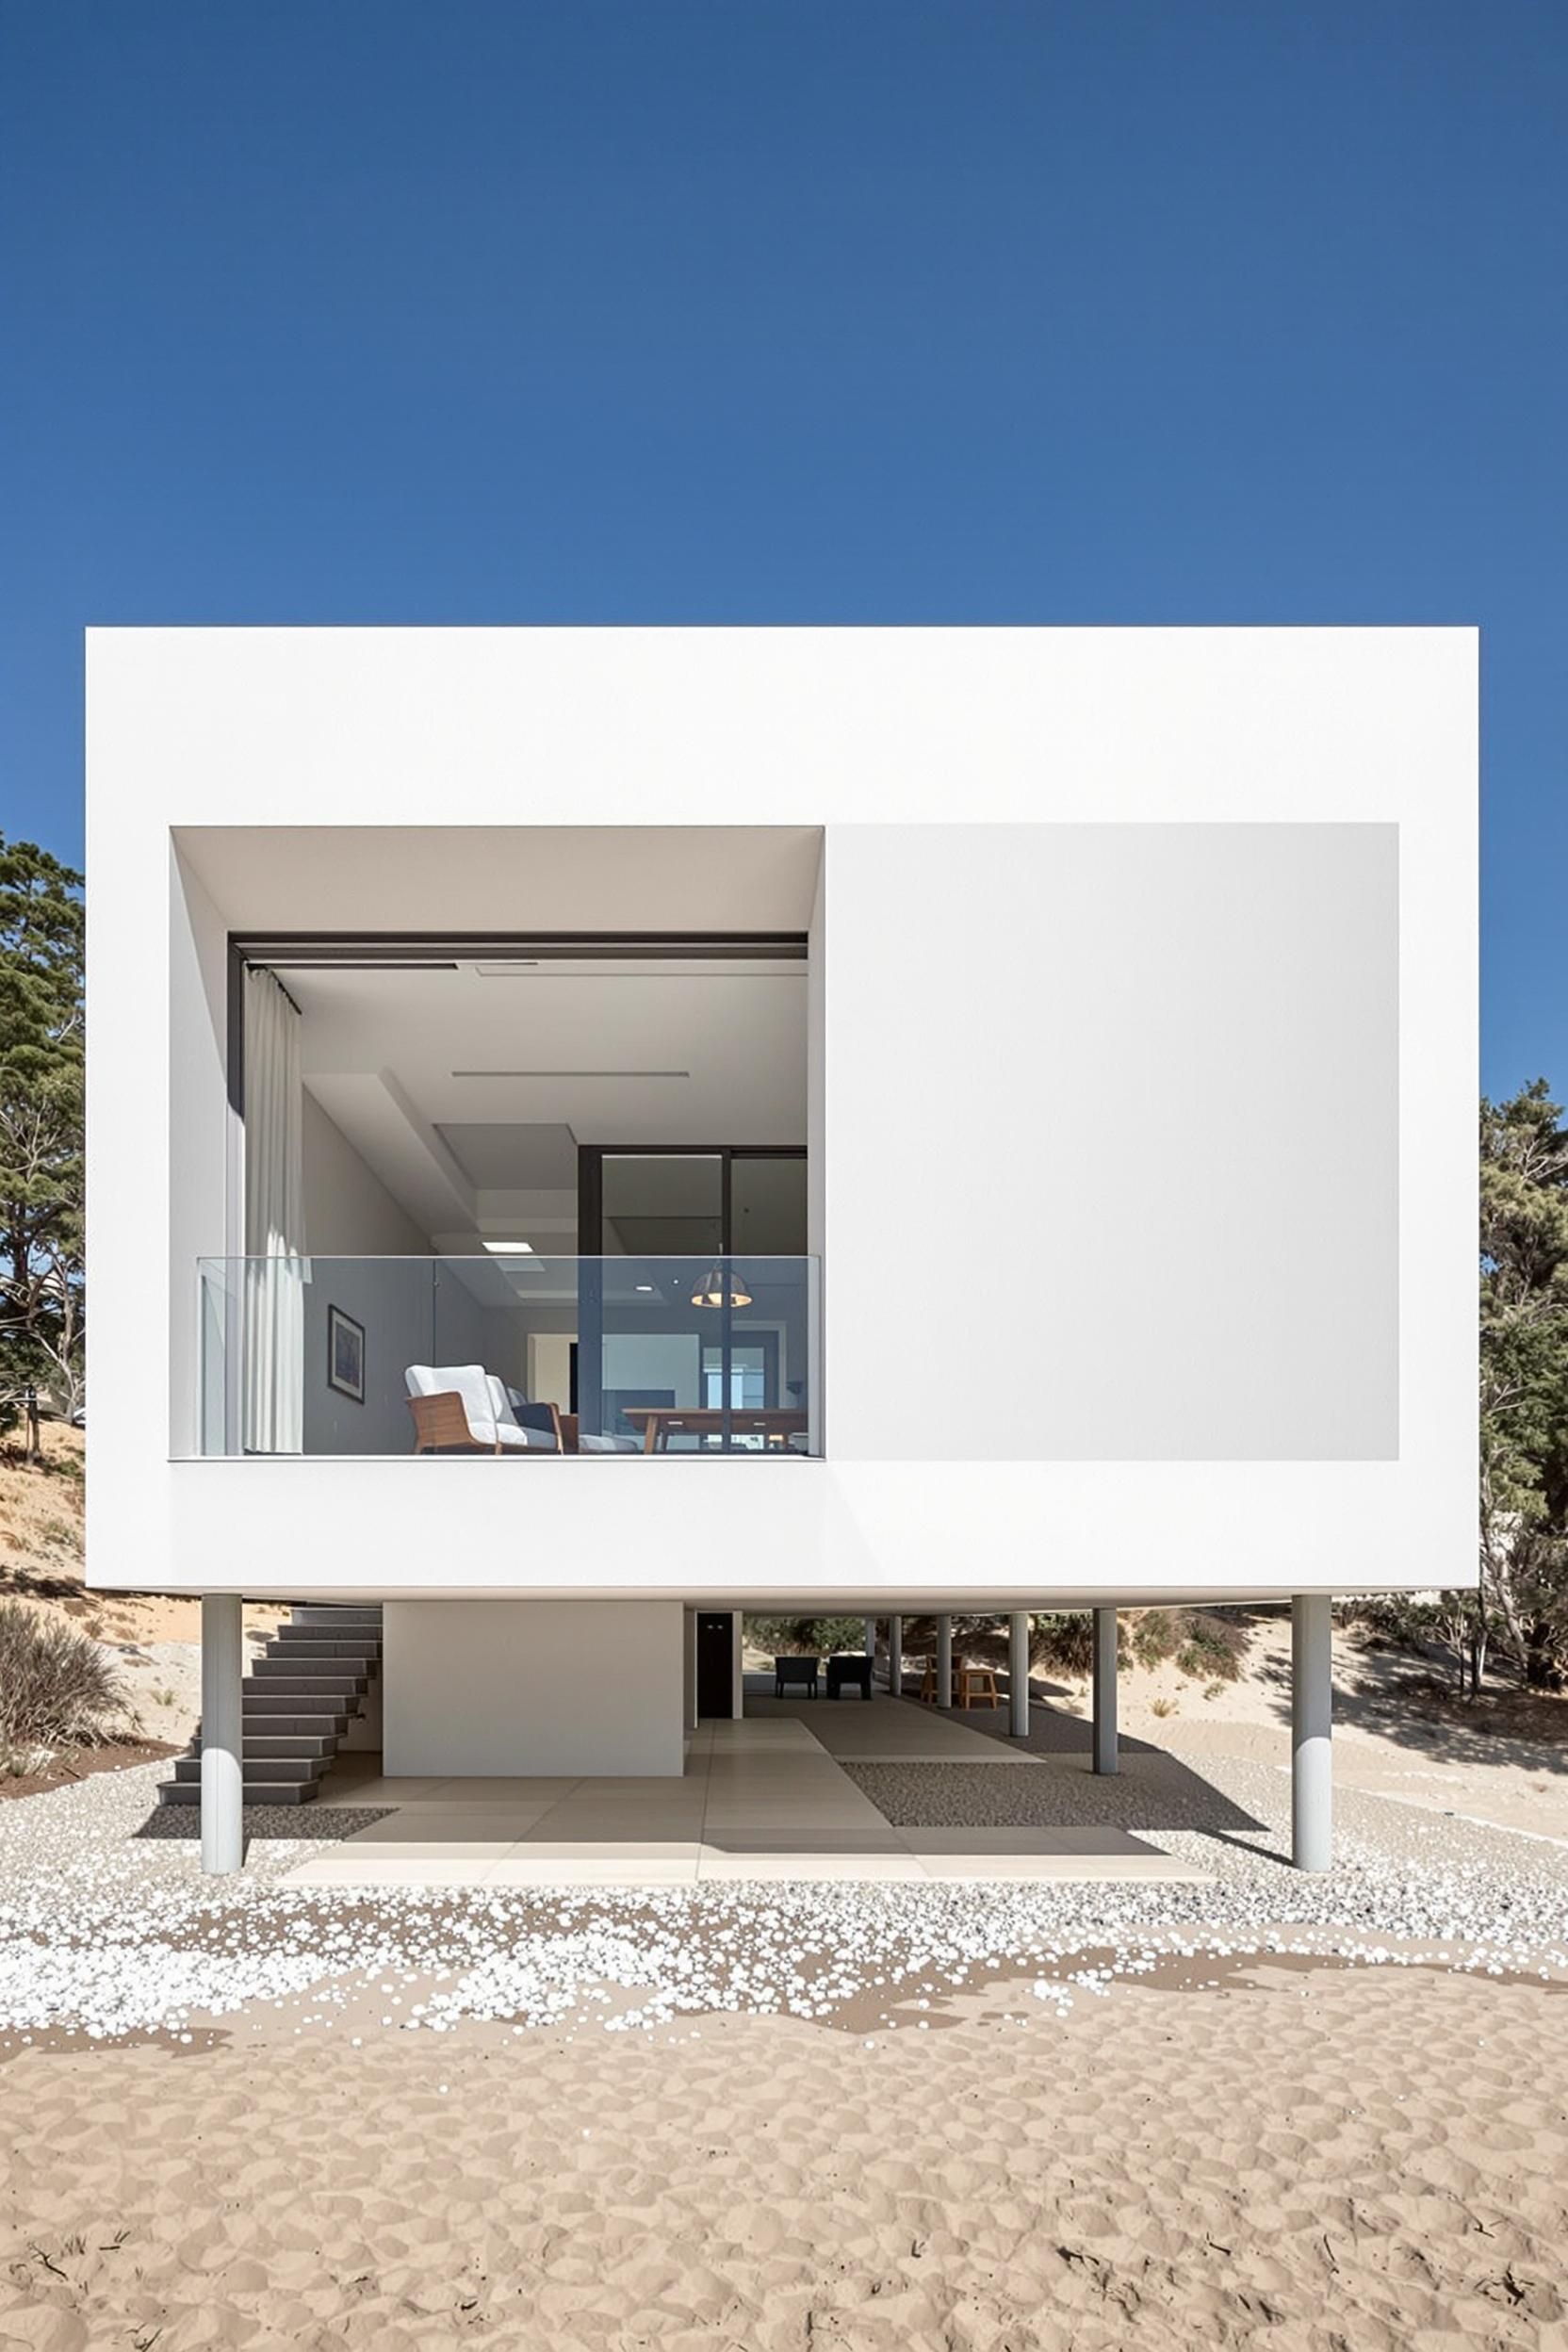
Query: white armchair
(462,1407)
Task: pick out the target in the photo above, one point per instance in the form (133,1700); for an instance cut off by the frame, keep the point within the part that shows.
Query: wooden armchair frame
(441,1424)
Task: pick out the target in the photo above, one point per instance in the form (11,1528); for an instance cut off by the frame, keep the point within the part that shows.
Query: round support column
(871,1637)
(222,1732)
(895,1655)
(1105,1691)
(944,1662)
(1018,1672)
(1311,1795)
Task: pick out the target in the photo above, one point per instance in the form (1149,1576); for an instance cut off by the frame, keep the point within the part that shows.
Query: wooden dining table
(776,1425)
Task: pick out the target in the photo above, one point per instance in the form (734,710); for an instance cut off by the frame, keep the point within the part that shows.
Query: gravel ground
(108,1931)
(1398,1869)
(267,1826)
(1151,1792)
(1230,1804)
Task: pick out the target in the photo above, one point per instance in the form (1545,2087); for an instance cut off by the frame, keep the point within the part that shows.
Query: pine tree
(1523,1603)
(43,1300)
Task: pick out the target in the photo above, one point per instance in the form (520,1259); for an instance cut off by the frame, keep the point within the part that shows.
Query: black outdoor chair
(795,1670)
(846,1673)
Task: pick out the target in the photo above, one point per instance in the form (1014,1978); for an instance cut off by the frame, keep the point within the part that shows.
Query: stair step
(314,1669)
(266,1708)
(332,1687)
(287,1710)
(311,1673)
(320,1744)
(307,1643)
(252,1792)
(328,1615)
(256,1768)
(292,1662)
(364,1641)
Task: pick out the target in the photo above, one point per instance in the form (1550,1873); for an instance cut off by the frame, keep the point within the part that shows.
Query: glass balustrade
(509,1357)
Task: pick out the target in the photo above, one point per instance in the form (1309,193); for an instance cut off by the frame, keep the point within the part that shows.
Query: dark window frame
(590,1180)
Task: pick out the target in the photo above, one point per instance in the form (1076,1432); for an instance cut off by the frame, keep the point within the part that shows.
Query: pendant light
(710,1291)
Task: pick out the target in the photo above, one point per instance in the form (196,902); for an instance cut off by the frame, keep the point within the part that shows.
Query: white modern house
(592,1131)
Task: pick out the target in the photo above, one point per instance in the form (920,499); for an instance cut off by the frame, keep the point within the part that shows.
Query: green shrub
(1394,1620)
(1156,1635)
(1207,1647)
(1065,1644)
(56,1688)
(805,1637)
(1211,1649)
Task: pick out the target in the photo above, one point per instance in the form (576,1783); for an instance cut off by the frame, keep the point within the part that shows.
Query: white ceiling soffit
(507,880)
(374,1110)
(496,1153)
(525,1156)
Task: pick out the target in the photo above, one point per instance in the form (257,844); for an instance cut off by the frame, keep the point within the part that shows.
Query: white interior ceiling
(498,1156)
(467,1095)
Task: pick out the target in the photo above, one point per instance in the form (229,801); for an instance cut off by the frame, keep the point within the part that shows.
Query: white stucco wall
(183,1117)
(1115,1162)
(524,1687)
(1111,1087)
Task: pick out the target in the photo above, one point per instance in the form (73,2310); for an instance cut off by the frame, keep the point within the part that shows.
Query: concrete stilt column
(1105,1691)
(222,1732)
(871,1637)
(1312,1796)
(944,1662)
(1018,1672)
(895,1655)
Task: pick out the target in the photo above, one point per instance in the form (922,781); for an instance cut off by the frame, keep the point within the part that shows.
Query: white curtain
(274,1221)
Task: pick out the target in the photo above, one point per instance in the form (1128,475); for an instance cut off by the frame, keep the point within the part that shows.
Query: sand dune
(1314,2156)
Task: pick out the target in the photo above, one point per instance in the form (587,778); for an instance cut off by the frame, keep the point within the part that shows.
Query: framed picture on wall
(345,1355)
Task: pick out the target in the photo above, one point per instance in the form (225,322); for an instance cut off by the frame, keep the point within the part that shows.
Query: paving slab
(764,1798)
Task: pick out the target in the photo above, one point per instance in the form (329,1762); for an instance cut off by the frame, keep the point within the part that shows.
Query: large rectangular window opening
(515,1196)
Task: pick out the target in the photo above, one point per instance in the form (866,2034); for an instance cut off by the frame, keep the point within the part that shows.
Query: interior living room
(526,1197)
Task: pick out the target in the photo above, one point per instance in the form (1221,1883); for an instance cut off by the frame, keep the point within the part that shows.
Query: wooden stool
(977,1687)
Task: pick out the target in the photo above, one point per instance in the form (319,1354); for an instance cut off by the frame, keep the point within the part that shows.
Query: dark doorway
(715,1664)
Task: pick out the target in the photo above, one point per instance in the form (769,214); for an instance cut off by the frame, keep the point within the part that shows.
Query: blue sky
(789,310)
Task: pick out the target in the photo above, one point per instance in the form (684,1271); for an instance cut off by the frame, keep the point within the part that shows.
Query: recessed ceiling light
(510,1249)
(643,1286)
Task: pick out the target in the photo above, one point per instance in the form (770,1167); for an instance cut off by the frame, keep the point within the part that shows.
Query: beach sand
(1309,2155)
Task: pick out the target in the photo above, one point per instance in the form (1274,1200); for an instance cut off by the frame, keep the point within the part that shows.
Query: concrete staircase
(316,1673)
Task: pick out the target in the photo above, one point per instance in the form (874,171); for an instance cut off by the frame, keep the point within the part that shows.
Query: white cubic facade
(1118,987)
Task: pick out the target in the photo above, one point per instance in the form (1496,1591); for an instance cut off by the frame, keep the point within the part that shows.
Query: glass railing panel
(510,1354)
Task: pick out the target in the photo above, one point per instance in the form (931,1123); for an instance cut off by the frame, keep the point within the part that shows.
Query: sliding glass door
(720,1233)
